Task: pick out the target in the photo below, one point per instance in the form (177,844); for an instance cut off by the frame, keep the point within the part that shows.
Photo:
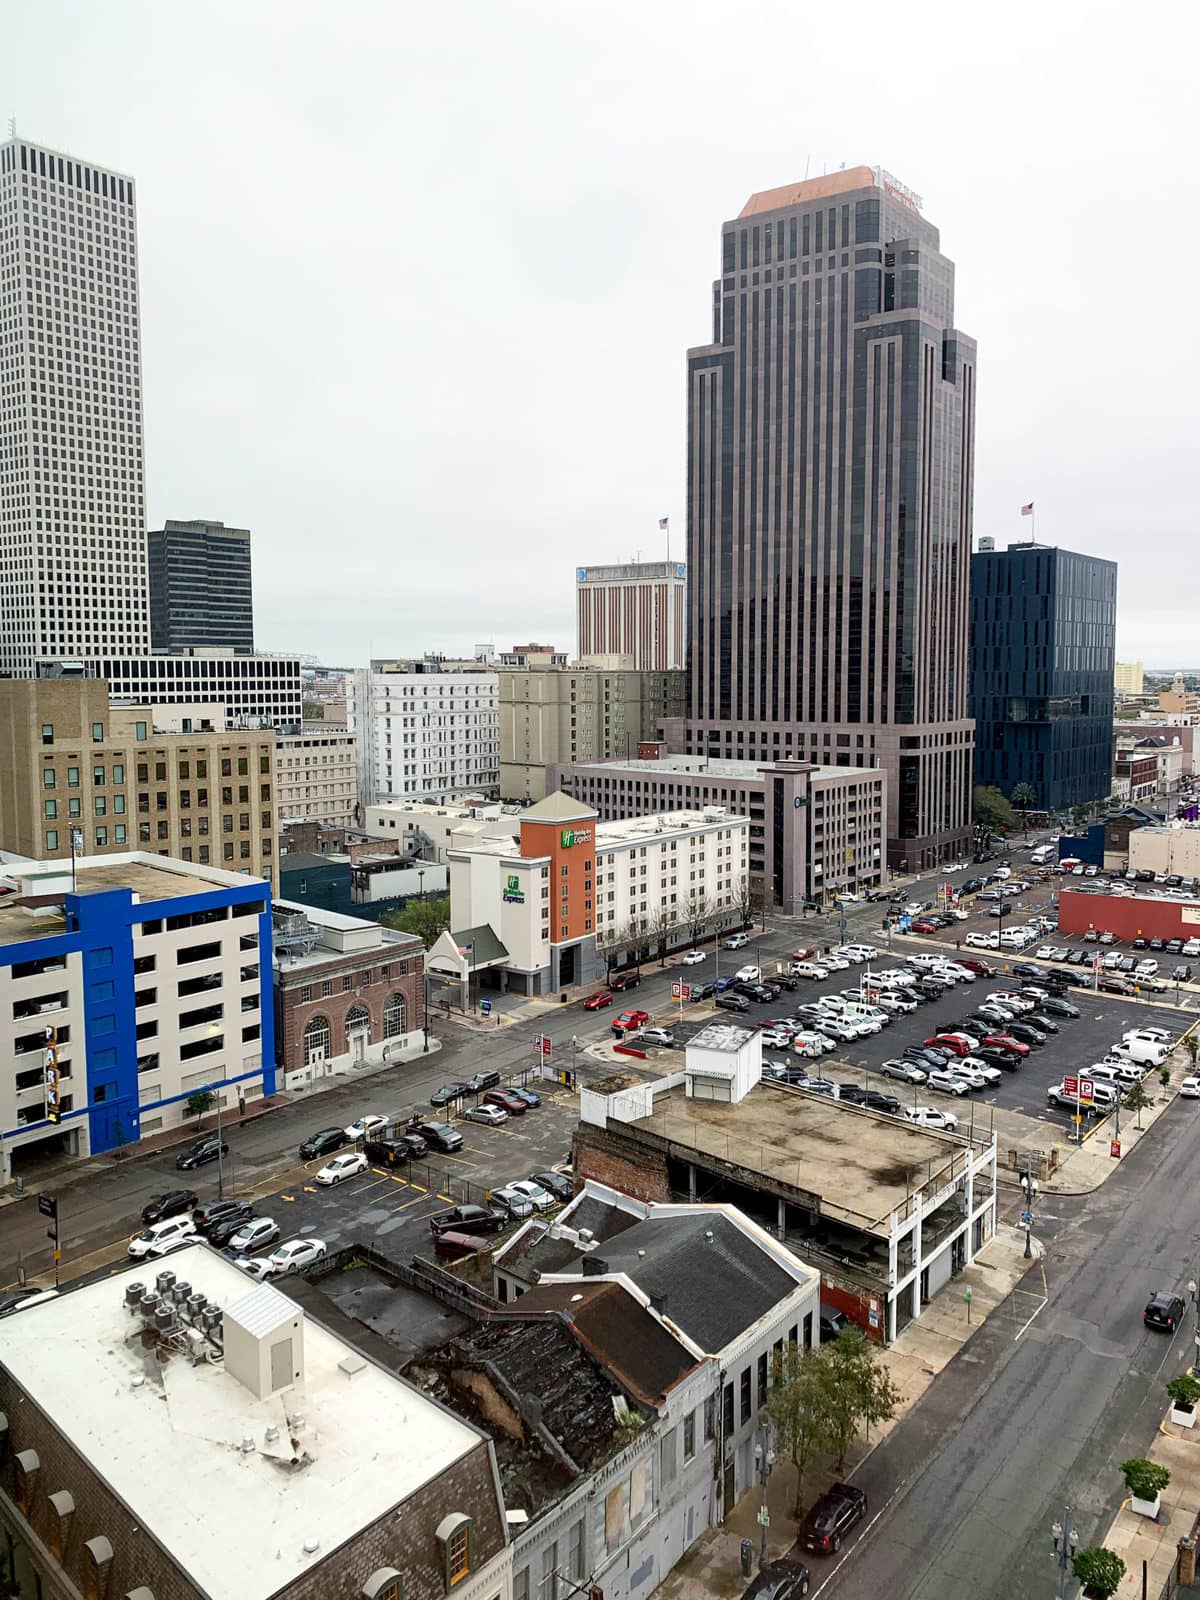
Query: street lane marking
(1042,1307)
(310,1188)
(419,1189)
(404,1204)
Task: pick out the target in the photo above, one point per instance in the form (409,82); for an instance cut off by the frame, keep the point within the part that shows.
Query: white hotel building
(424,733)
(535,903)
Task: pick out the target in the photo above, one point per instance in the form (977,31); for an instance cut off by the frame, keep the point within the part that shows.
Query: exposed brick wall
(855,1303)
(404,1537)
(597,1156)
(406,966)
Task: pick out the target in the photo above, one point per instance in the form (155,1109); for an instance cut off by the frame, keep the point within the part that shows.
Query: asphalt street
(1032,1415)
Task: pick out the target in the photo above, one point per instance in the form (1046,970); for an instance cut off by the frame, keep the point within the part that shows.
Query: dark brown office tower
(831,455)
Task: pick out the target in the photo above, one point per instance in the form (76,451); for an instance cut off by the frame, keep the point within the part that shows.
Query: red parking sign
(680,990)
(1071,1086)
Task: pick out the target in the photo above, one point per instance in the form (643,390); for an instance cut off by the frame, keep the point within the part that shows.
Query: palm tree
(1023,796)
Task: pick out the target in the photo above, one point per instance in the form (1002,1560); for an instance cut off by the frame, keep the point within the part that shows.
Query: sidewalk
(711,1569)
(1135,1538)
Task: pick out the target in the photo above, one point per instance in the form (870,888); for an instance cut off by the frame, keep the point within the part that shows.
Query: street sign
(680,990)
(1114,1148)
(544,1044)
(1027,1219)
(1087,1090)
(486,1007)
(48,1205)
(764,1518)
(1071,1086)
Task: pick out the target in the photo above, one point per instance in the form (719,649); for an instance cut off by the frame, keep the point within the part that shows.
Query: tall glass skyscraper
(201,593)
(831,458)
(72,475)
(1043,645)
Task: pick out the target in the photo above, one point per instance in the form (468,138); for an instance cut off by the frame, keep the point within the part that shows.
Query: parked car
(468,1219)
(779,1580)
(702,991)
(160,1237)
(1004,1059)
(540,1199)
(208,1213)
(506,1100)
(368,1123)
(748,975)
(296,1255)
(1056,1006)
(1025,1033)
(555,1183)
(176,1202)
(694,958)
(447,1094)
(489,1116)
(660,1036)
(347,1165)
(483,1081)
(620,981)
(1005,1041)
(737,941)
(630,1020)
(931,1117)
(947,1081)
(253,1235)
(905,1071)
(1164,1311)
(1189,1088)
(210,1148)
(602,997)
(732,1002)
(439,1135)
(510,1200)
(832,1517)
(387,1152)
(322,1143)
(874,1101)
(222,1228)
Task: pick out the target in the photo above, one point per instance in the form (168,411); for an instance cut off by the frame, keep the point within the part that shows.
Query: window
(386,1584)
(520,1579)
(575,1551)
(305,993)
(454,1536)
(97,733)
(669,1457)
(727,1420)
(689,1436)
(347,982)
(97,1563)
(101,836)
(316,1040)
(358,1020)
(100,805)
(47,733)
(762,1379)
(25,1468)
(744,1395)
(326,988)
(118,773)
(48,778)
(51,809)
(98,776)
(139,729)
(72,777)
(52,839)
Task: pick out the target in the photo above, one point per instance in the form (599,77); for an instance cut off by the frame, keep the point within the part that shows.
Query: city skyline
(314,444)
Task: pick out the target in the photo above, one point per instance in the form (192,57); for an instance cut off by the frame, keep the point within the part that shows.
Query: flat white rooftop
(168,1437)
(714,767)
(625,829)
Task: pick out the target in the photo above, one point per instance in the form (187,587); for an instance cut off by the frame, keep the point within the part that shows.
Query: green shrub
(1144,1479)
(1099,1569)
(1184,1390)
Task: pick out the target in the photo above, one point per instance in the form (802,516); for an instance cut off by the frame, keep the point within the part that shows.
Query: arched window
(358,1020)
(395,1017)
(316,1040)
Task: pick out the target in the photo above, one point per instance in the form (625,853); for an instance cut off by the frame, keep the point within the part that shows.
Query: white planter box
(1146,1508)
(1183,1419)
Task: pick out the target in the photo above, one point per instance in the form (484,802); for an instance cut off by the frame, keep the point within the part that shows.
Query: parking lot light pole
(1195,1294)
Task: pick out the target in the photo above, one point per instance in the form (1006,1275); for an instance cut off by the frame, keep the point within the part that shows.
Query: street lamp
(1192,1290)
(1030,1186)
(1065,1542)
(764,1457)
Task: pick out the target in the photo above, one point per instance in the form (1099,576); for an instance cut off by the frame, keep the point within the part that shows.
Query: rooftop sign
(898,191)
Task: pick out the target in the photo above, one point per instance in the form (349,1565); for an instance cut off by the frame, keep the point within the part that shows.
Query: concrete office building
(423,832)
(1129,678)
(316,775)
(588,711)
(72,473)
(254,691)
(815,831)
(1043,632)
(120,1391)
(200,587)
(134,777)
(423,732)
(157,977)
(831,460)
(636,609)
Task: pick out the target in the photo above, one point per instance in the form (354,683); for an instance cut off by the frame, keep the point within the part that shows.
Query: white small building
(723,1062)
(424,733)
(425,830)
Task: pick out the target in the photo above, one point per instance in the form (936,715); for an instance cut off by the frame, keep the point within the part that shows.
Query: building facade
(117,1391)
(1129,677)
(551,714)
(424,831)
(1043,634)
(155,976)
(636,609)
(201,595)
(316,775)
(132,778)
(347,992)
(423,732)
(814,831)
(72,472)
(254,691)
(831,459)
(551,894)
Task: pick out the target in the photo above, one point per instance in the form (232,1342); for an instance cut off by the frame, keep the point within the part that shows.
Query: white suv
(931,1117)
(160,1237)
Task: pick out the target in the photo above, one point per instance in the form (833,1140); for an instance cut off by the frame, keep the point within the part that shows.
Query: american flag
(664,523)
(1027,511)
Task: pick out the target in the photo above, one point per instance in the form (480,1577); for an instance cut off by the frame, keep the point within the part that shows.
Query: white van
(1143,1052)
(1042,855)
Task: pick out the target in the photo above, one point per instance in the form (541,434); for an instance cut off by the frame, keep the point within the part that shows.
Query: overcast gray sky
(418,280)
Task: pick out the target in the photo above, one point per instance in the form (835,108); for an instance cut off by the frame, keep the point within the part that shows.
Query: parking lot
(1016,1106)
(392,1209)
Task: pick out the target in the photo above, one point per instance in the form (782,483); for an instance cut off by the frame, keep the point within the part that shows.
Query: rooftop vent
(594,1267)
(133,1295)
(164,1282)
(263,1338)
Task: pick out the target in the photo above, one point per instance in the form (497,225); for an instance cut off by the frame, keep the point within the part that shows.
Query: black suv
(323,1143)
(468,1219)
(1163,1311)
(387,1152)
(482,1081)
(620,981)
(780,1580)
(834,1514)
(220,1231)
(168,1205)
(204,1216)
(439,1135)
(204,1150)
(448,1093)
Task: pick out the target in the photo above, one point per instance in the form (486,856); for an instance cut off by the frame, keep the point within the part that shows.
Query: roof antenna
(807,164)
(12,126)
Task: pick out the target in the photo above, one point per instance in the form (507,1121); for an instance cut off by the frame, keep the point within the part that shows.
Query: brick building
(346,991)
(323,1476)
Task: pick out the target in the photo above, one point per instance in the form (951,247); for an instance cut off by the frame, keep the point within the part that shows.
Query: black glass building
(831,456)
(1043,643)
(200,587)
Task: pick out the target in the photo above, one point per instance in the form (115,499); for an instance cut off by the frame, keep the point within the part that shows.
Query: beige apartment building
(1129,677)
(171,780)
(598,709)
(316,775)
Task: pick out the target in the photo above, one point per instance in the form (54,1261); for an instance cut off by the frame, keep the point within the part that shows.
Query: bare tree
(697,914)
(749,900)
(610,943)
(664,925)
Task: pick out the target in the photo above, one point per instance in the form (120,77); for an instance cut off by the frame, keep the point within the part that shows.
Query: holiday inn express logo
(572,836)
(513,893)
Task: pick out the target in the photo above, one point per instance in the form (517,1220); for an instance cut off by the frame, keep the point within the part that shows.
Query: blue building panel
(1042,649)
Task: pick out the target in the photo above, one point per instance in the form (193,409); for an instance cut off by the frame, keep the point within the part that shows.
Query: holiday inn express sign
(572,836)
(513,893)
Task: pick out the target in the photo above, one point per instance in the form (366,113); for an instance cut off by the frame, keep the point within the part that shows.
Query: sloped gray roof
(536,1252)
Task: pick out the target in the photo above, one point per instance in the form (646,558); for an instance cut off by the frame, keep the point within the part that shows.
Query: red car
(602,997)
(983,969)
(628,1020)
(925,927)
(1005,1041)
(951,1042)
